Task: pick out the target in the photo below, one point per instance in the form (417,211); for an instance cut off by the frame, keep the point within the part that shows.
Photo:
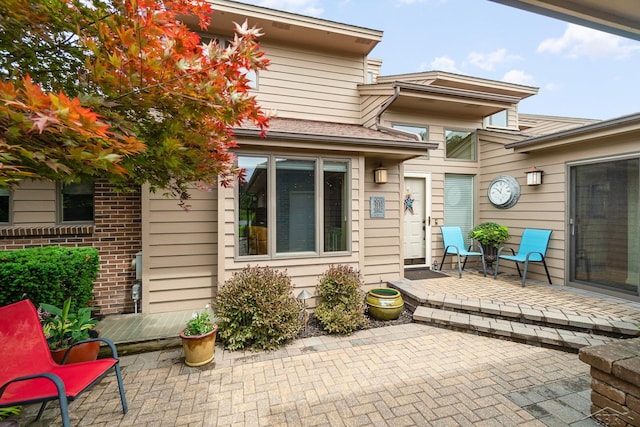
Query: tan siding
(34,203)
(382,240)
(541,206)
(179,253)
(311,85)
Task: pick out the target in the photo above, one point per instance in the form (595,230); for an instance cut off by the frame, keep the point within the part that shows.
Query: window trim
(319,251)
(60,207)
(475,144)
(9,221)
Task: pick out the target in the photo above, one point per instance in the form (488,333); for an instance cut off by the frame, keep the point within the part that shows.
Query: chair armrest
(446,250)
(56,380)
(114,351)
(505,247)
(534,252)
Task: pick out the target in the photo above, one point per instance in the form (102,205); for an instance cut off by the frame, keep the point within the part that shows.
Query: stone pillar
(615,381)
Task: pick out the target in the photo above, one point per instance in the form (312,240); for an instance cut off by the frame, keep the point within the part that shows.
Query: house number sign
(377,207)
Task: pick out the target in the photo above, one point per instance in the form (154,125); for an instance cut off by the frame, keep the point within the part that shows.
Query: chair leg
(42,408)
(546,270)
(123,398)
(495,268)
(518,268)
(524,276)
(443,257)
(459,269)
(484,266)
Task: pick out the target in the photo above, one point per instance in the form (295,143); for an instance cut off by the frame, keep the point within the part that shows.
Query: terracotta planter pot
(199,349)
(384,303)
(80,353)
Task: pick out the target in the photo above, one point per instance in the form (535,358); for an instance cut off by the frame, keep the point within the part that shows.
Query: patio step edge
(562,339)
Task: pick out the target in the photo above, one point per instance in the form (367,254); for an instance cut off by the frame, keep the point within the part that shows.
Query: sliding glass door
(605,225)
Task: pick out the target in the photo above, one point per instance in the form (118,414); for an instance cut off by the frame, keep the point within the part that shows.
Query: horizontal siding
(549,198)
(311,85)
(179,252)
(34,204)
(382,240)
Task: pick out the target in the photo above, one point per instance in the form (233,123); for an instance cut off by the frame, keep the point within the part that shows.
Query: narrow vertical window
(252,212)
(4,205)
(295,205)
(335,206)
(77,202)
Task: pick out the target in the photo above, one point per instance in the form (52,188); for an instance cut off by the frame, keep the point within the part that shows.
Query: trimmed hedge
(48,275)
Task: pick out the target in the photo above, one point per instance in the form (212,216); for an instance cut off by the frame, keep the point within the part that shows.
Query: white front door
(416,208)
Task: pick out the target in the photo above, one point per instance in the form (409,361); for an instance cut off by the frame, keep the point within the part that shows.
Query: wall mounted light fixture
(380,175)
(534,176)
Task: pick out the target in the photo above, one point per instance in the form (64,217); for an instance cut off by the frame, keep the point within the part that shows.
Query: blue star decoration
(408,203)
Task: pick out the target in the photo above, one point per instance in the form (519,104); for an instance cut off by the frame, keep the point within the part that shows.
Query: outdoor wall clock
(504,191)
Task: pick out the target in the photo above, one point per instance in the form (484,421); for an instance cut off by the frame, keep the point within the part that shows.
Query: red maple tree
(128,93)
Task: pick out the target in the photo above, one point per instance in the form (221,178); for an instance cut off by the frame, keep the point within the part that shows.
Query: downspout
(383,108)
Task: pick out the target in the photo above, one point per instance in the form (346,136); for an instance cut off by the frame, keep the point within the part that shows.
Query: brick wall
(116,233)
(615,382)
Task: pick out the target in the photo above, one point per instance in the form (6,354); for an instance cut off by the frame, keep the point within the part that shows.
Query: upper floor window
(460,145)
(5,203)
(292,205)
(421,131)
(77,202)
(498,119)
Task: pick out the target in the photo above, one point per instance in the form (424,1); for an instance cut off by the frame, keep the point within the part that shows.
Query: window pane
(458,203)
(77,202)
(295,206)
(335,206)
(498,119)
(460,144)
(4,205)
(252,212)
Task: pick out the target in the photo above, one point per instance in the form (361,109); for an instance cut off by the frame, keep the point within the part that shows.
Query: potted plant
(65,330)
(490,235)
(199,339)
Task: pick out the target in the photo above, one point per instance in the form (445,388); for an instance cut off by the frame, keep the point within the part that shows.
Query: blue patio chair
(533,248)
(454,245)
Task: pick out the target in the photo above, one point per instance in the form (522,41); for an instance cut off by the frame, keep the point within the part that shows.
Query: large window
(605,224)
(292,205)
(460,145)
(77,202)
(458,202)
(5,203)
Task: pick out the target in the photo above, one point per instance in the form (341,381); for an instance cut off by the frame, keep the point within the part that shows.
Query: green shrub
(342,308)
(48,275)
(256,309)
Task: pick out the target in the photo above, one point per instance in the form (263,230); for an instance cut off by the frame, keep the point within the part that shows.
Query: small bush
(256,309)
(342,308)
(48,275)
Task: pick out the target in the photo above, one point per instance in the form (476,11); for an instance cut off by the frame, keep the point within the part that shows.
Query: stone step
(527,314)
(513,330)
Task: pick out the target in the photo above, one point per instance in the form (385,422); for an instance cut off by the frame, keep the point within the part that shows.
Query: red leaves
(156,83)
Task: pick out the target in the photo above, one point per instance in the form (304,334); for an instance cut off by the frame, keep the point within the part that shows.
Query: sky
(580,72)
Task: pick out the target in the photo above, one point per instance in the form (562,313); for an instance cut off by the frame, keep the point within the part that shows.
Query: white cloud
(489,61)
(519,77)
(580,41)
(305,7)
(441,63)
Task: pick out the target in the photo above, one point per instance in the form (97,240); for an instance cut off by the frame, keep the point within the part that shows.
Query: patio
(411,374)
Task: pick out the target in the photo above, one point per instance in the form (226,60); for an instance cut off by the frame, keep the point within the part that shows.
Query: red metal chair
(28,374)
